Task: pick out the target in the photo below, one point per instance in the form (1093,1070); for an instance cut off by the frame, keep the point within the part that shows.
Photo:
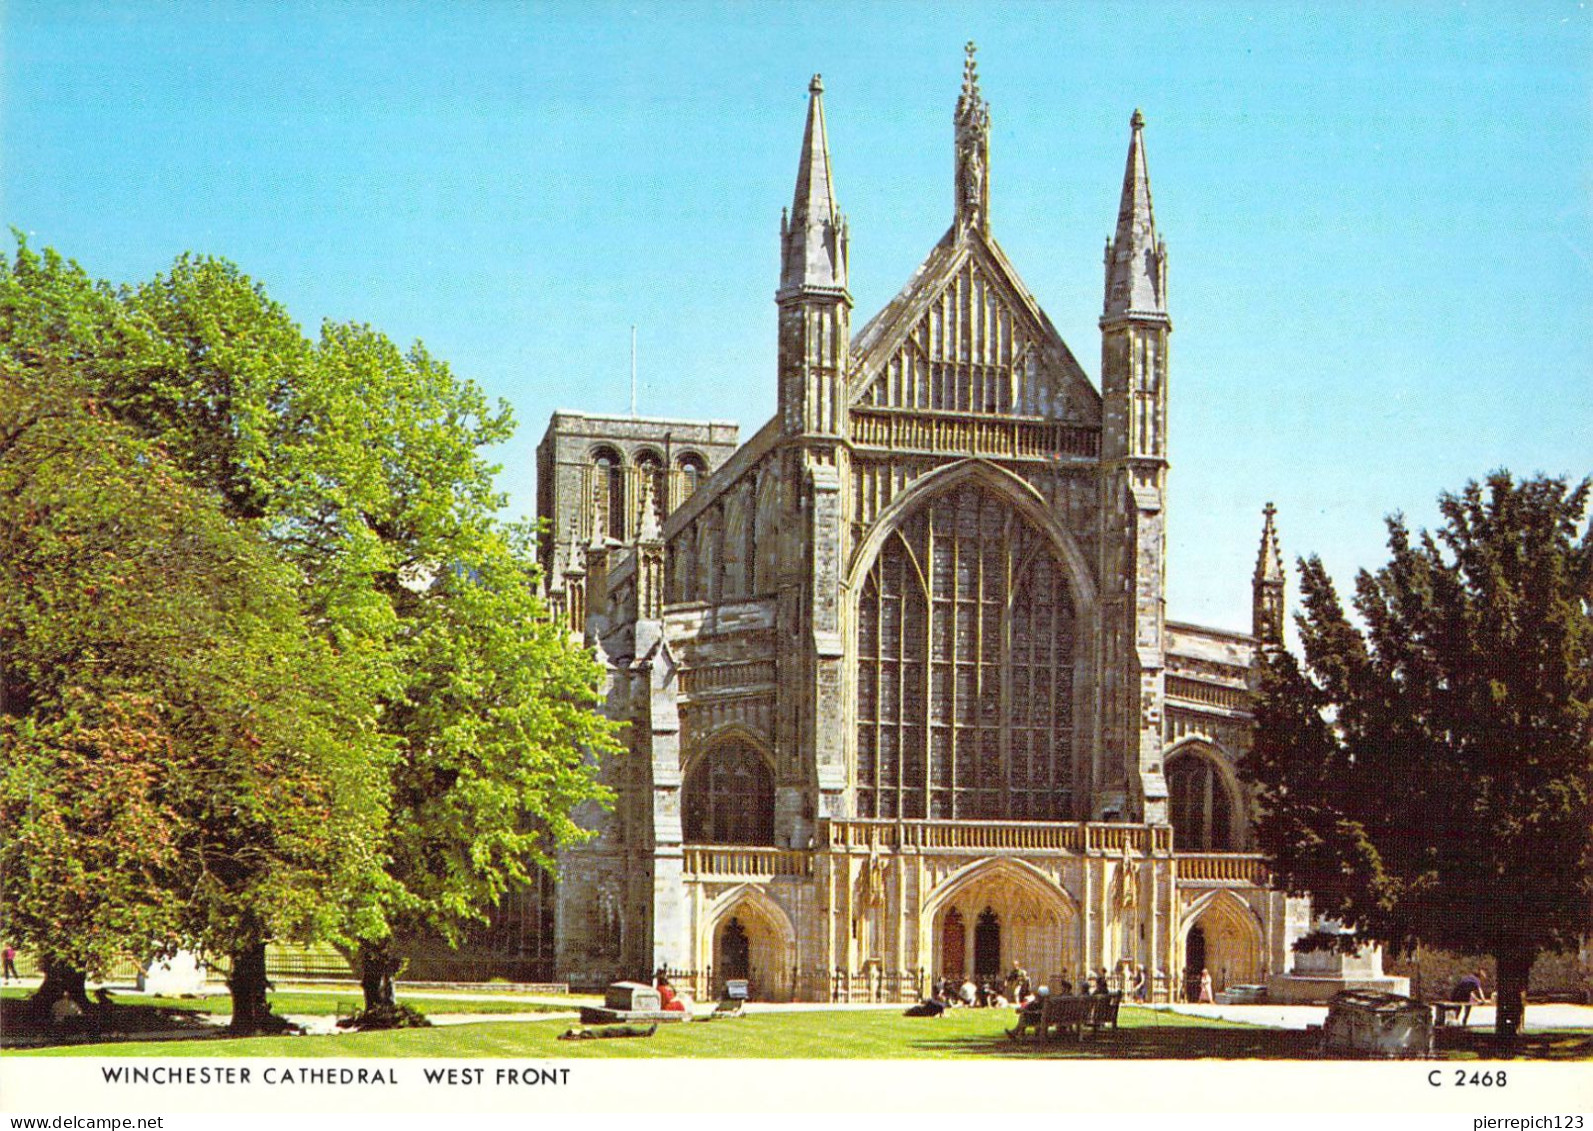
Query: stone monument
(1320,973)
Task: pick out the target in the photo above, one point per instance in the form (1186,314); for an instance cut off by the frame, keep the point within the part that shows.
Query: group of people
(967,994)
(1018,990)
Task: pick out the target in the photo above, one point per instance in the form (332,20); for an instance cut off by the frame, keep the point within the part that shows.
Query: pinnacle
(1135,274)
(813,233)
(1269,562)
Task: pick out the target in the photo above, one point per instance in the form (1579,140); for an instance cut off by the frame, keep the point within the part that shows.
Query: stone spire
(1266,616)
(1136,260)
(813,233)
(973,150)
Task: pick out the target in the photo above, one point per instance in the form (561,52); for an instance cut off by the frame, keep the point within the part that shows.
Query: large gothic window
(728,797)
(965,653)
(1202,811)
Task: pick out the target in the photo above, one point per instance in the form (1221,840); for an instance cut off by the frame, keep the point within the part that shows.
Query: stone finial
(817,85)
(647,527)
(1269,563)
(574,552)
(973,149)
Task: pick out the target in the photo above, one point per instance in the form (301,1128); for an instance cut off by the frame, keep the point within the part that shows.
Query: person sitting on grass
(968,993)
(667,998)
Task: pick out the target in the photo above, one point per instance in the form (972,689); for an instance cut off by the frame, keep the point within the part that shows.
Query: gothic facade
(901,695)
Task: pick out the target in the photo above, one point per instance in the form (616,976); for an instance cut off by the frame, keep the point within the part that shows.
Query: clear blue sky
(1378,216)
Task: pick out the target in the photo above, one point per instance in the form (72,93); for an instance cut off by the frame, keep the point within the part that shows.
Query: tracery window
(1200,804)
(965,668)
(728,798)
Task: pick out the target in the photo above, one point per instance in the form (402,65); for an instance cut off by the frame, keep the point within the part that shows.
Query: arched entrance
(735,953)
(987,946)
(746,934)
(1225,938)
(1017,914)
(953,944)
(1194,962)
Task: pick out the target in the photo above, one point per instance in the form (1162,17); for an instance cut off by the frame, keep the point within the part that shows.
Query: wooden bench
(1106,1007)
(1067,1015)
(1442,1010)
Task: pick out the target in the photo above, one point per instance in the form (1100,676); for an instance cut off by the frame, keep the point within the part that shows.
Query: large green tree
(186,763)
(1427,775)
(493,704)
(364,470)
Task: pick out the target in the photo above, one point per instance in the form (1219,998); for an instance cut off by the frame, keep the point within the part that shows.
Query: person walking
(10,971)
(1205,987)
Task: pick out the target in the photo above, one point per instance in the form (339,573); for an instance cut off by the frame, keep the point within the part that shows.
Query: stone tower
(1134,331)
(814,340)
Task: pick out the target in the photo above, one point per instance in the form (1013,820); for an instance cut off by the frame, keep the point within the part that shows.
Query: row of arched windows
(729,799)
(965,659)
(617,488)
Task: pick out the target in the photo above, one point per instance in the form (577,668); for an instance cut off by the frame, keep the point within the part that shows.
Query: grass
(874,1035)
(882,1035)
(326,1004)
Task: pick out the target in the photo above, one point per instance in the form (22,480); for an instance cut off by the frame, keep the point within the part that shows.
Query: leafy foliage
(1427,777)
(268,574)
(181,758)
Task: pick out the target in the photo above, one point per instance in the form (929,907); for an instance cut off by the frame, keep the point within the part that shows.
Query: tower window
(608,494)
(691,472)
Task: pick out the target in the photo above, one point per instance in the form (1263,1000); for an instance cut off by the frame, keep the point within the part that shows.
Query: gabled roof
(883,335)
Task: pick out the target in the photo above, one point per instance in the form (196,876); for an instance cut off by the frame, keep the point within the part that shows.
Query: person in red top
(667,998)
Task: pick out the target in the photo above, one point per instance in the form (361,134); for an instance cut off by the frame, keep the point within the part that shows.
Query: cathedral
(901,699)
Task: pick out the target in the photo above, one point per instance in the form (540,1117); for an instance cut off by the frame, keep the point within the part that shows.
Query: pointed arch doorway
(987,946)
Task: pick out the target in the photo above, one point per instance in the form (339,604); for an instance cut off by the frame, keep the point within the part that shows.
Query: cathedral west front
(900,693)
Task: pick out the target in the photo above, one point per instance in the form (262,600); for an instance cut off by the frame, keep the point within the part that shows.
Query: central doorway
(735,957)
(987,945)
(1194,963)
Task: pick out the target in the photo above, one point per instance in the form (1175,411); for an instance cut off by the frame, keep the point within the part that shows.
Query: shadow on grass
(1543,1044)
(24,1024)
(1145,1042)
(1149,1042)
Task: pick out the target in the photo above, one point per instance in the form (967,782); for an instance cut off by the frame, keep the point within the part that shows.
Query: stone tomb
(630,1002)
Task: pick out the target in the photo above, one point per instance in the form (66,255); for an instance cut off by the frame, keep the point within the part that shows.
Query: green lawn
(343,1001)
(873,1035)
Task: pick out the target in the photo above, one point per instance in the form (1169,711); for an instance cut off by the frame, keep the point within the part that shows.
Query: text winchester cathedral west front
(902,697)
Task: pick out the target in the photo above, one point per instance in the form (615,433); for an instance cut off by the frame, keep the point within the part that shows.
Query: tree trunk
(59,978)
(251,1013)
(378,968)
(1514,966)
